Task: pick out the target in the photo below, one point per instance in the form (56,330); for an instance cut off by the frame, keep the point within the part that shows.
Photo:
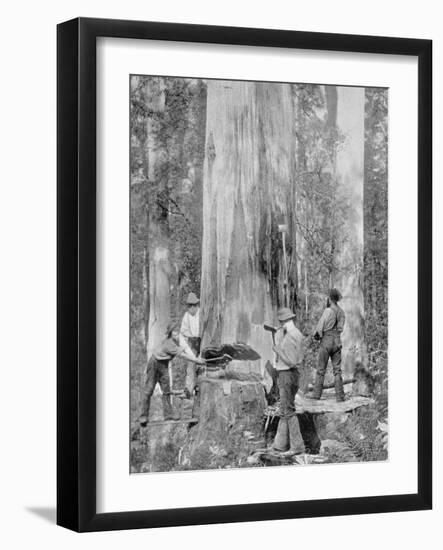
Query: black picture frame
(76,274)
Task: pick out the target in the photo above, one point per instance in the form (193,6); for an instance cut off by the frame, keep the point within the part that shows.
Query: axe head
(270,328)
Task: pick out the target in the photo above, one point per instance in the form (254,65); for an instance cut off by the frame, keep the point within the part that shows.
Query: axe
(272,330)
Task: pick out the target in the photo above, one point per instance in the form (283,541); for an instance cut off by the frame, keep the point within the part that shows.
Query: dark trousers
(157,371)
(287,386)
(330,347)
(309,433)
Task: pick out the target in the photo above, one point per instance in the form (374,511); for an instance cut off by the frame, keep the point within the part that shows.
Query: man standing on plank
(157,371)
(328,330)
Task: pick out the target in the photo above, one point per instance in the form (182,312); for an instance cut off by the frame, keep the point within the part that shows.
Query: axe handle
(224,356)
(272,330)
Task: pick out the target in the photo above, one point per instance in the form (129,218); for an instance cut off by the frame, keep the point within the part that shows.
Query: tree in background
(218,168)
(321,206)
(376,232)
(328,208)
(167,150)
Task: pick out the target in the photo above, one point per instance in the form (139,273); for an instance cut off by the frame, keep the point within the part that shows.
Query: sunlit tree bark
(248,191)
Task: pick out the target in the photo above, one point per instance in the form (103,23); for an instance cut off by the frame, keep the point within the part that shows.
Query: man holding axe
(289,350)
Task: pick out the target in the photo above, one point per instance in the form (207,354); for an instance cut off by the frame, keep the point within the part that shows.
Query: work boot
(295,437)
(281,441)
(318,386)
(339,390)
(168,413)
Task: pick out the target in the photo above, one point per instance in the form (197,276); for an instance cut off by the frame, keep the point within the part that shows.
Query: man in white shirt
(190,333)
(289,351)
(190,325)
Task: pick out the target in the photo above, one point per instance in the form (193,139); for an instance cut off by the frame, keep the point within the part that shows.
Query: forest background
(173,124)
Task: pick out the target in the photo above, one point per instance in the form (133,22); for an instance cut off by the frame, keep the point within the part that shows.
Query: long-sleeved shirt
(333,318)
(190,326)
(167,350)
(289,347)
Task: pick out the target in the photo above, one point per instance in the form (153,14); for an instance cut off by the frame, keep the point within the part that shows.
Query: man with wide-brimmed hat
(190,336)
(328,331)
(157,371)
(289,351)
(190,325)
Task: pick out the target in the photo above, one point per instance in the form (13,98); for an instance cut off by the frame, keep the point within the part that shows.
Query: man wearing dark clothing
(158,371)
(328,330)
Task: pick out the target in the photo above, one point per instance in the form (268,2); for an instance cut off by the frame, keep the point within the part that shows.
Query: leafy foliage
(376,241)
(167,155)
(324,209)
(365,435)
(167,151)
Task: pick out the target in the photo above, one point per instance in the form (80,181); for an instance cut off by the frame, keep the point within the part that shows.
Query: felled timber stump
(328,404)
(157,446)
(328,415)
(164,442)
(230,418)
(311,431)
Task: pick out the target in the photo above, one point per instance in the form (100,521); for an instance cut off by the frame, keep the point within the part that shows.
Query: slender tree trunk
(158,240)
(350,168)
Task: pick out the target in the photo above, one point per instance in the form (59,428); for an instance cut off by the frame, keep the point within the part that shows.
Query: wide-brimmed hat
(285,314)
(192,299)
(334,294)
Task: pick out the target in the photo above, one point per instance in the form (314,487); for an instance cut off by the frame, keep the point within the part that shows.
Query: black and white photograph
(258,274)
(221,263)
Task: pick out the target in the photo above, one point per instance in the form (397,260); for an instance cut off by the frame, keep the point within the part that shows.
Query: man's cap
(171,326)
(285,314)
(192,299)
(334,294)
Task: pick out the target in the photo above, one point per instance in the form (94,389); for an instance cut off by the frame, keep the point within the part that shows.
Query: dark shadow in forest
(48,514)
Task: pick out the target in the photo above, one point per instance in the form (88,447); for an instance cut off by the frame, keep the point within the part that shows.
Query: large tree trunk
(248,190)
(249,171)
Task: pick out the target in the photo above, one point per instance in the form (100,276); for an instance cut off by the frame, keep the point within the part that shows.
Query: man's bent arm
(321,324)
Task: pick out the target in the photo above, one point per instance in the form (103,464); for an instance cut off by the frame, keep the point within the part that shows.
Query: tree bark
(248,174)
(350,168)
(248,191)
(158,238)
